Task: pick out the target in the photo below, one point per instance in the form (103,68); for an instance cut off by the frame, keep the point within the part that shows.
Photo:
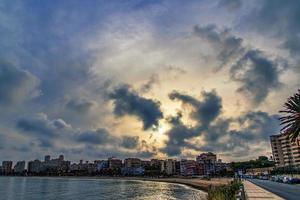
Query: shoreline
(195,183)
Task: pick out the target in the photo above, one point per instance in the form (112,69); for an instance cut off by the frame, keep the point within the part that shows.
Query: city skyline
(203,164)
(147,79)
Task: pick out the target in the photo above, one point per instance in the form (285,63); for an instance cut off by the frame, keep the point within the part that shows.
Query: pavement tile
(254,192)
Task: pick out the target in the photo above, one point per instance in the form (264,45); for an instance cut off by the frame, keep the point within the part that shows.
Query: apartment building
(284,151)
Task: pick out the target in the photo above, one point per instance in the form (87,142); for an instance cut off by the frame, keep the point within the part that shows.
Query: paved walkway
(254,192)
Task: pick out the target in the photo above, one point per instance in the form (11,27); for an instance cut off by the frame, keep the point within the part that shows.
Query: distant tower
(61,157)
(47,158)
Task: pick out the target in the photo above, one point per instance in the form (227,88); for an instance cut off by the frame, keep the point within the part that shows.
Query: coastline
(195,183)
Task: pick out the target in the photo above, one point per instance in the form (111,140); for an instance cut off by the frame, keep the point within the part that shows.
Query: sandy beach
(197,183)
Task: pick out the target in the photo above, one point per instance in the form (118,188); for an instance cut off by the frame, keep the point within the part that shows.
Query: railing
(241,195)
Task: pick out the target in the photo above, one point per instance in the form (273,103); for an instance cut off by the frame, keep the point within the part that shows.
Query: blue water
(40,188)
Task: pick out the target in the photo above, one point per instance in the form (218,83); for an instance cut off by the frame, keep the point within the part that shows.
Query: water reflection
(37,188)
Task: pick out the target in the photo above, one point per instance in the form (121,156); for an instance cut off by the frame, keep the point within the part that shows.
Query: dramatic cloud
(16,85)
(177,136)
(41,128)
(128,102)
(231,5)
(287,26)
(227,46)
(257,73)
(130,142)
(217,133)
(239,133)
(81,106)
(154,79)
(204,112)
(100,136)
(67,57)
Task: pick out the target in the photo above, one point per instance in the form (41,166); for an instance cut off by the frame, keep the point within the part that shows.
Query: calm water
(39,188)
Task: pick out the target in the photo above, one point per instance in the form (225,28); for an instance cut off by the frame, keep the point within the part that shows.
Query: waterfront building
(177,167)
(207,163)
(7,167)
(285,152)
(19,167)
(188,167)
(170,167)
(133,167)
(103,164)
(132,171)
(49,166)
(132,162)
(114,163)
(47,158)
(34,167)
(146,163)
(55,165)
(75,167)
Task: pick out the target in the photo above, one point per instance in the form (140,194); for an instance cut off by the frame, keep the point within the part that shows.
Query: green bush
(226,192)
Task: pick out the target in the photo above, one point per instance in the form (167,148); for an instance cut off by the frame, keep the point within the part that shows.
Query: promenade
(254,192)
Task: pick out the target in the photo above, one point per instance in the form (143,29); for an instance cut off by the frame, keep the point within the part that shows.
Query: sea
(56,188)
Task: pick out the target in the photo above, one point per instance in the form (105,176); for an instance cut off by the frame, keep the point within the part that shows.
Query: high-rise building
(61,157)
(207,163)
(132,162)
(19,167)
(47,158)
(285,152)
(188,167)
(170,167)
(7,167)
(114,163)
(35,166)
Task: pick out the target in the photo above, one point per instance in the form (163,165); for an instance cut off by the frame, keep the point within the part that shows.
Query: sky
(145,78)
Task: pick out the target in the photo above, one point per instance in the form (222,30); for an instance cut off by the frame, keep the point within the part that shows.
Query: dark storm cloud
(205,111)
(41,128)
(128,102)
(218,134)
(177,136)
(130,142)
(100,136)
(81,106)
(60,124)
(37,126)
(257,73)
(227,45)
(16,84)
(230,4)
(253,128)
(154,79)
(277,18)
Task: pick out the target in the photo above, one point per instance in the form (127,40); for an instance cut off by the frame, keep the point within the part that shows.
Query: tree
(291,118)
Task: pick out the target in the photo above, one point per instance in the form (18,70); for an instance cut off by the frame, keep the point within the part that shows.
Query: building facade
(7,167)
(207,163)
(19,168)
(285,152)
(132,162)
(114,163)
(188,167)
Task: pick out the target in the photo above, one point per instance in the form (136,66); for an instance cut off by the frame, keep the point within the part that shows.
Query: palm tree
(291,118)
